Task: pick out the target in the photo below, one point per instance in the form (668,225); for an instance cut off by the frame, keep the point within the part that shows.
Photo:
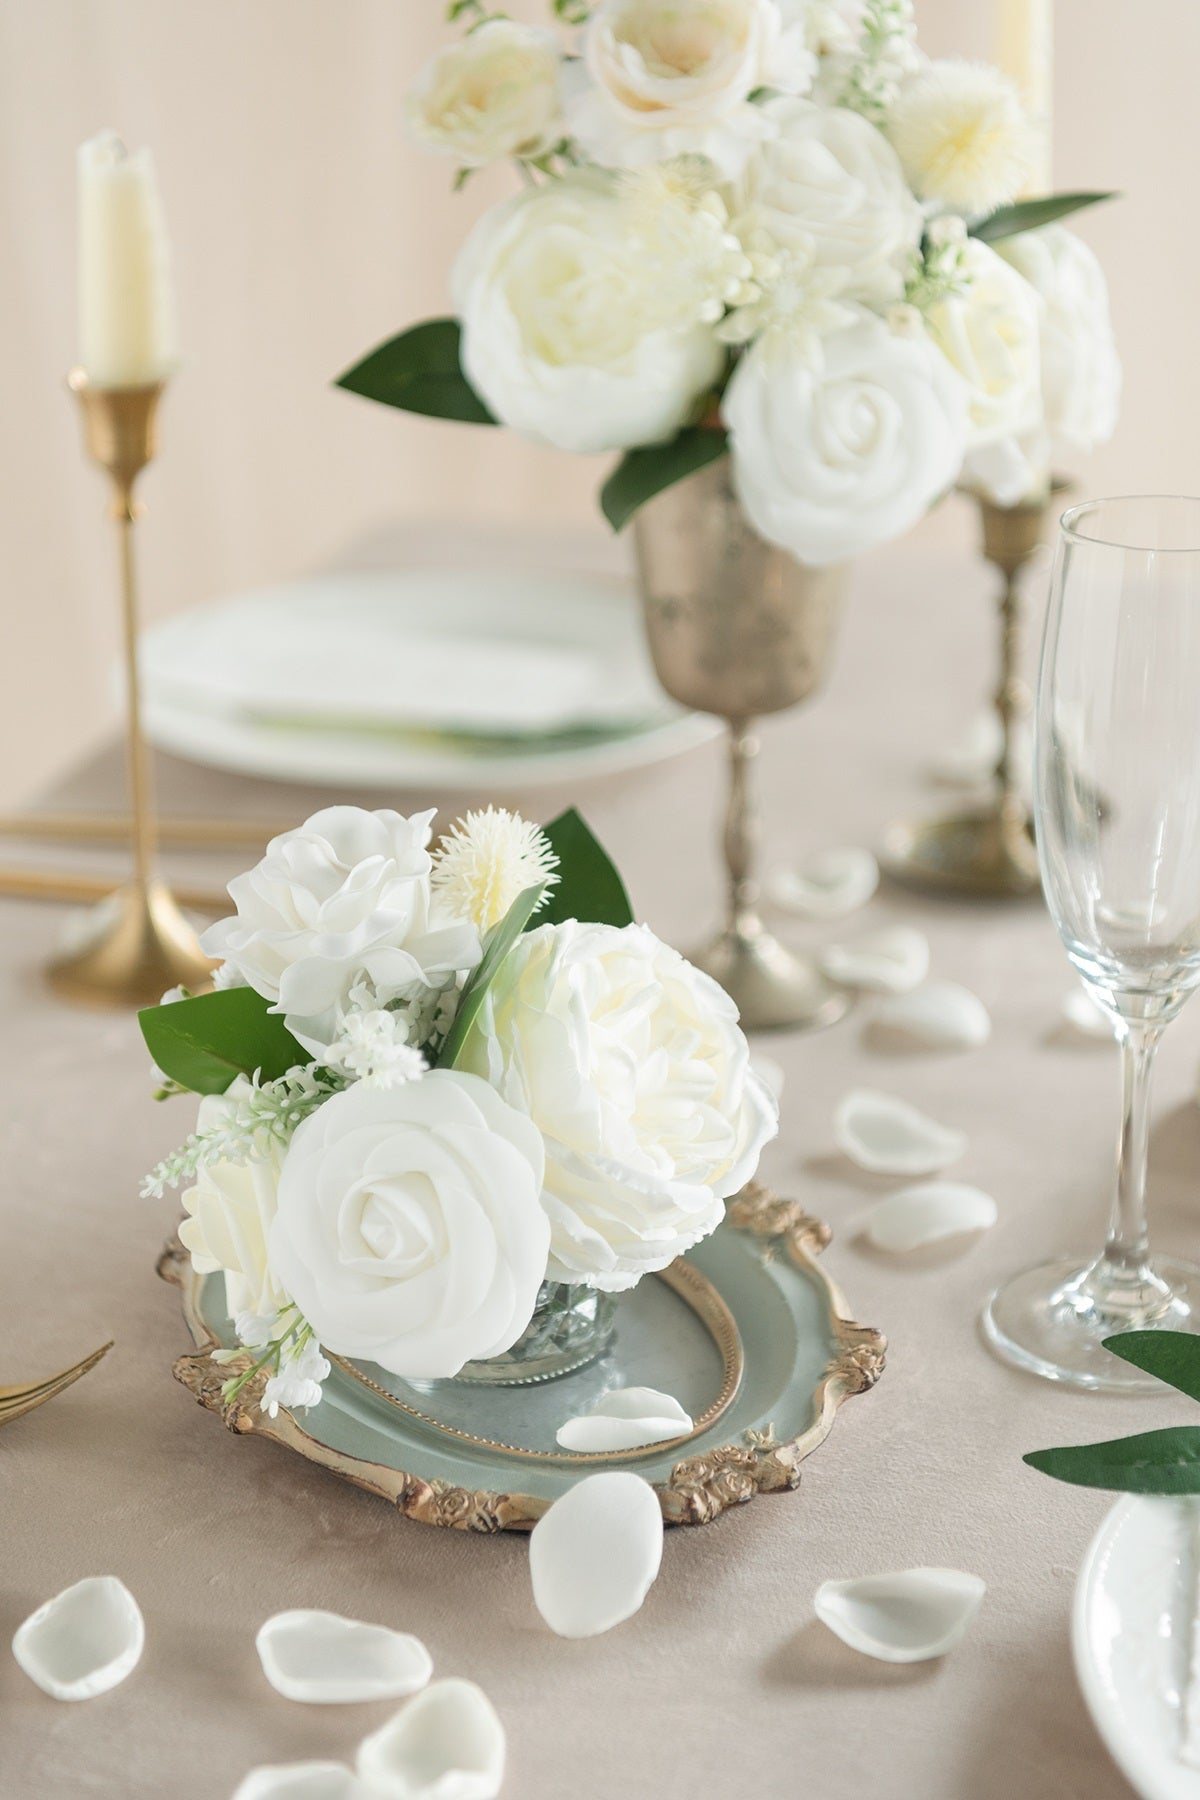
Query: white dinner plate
(427,677)
(1131,1635)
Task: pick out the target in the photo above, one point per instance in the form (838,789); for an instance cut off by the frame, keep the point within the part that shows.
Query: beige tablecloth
(724,1684)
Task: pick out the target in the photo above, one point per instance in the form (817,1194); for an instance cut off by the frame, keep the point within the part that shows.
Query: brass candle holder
(138,942)
(987,850)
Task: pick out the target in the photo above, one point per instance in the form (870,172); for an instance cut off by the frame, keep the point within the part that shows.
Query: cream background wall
(306,227)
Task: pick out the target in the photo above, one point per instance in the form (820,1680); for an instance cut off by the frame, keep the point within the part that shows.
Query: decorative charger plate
(747,1331)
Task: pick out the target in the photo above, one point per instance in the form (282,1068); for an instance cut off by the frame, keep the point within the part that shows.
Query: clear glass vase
(571,1326)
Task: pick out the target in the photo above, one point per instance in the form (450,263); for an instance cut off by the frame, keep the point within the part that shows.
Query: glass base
(571,1326)
(1051,1320)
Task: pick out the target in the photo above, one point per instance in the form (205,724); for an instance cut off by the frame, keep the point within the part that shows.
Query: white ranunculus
(229,1215)
(343,902)
(829,178)
(632,1065)
(409,1231)
(1081,371)
(495,94)
(833,456)
(658,79)
(988,333)
(563,326)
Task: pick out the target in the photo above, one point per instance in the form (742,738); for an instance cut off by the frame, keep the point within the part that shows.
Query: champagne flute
(1117,812)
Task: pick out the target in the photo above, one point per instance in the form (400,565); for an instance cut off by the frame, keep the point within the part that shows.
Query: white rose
(659,80)
(563,329)
(229,1215)
(830,178)
(343,902)
(1081,371)
(989,335)
(833,456)
(632,1065)
(408,1229)
(495,94)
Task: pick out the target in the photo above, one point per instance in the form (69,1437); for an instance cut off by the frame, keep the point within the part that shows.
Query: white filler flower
(963,136)
(486,860)
(230,1210)
(632,1065)
(409,1230)
(495,94)
(564,330)
(343,900)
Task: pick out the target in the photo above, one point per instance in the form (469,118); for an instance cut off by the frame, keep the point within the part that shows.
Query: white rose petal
(926,1213)
(409,1230)
(890,1137)
(325,1660)
(989,335)
(892,961)
(829,460)
(595,1555)
(229,1210)
(632,1065)
(495,94)
(626,1419)
(84,1641)
(940,1013)
(447,1744)
(907,1617)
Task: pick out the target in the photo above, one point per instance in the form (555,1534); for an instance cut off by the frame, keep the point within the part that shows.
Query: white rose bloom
(830,178)
(833,456)
(344,901)
(230,1210)
(564,333)
(495,94)
(632,1065)
(409,1231)
(1081,371)
(658,79)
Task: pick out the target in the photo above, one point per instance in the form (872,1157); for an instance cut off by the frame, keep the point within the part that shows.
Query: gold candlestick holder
(987,850)
(138,942)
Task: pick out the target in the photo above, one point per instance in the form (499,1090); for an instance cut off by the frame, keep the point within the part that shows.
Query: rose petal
(447,1744)
(889,1137)
(625,1419)
(301,1781)
(906,1617)
(324,1659)
(1087,1018)
(940,1013)
(928,1211)
(595,1555)
(890,962)
(828,885)
(84,1641)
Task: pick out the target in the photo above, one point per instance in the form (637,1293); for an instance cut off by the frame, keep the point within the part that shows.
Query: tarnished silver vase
(739,628)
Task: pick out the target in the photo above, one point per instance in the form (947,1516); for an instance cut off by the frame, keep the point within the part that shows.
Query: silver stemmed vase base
(772,988)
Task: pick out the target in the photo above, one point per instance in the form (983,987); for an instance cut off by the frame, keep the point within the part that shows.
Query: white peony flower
(487,860)
(343,900)
(409,1231)
(658,79)
(832,458)
(633,1067)
(987,330)
(495,94)
(830,179)
(1081,371)
(962,136)
(230,1209)
(564,330)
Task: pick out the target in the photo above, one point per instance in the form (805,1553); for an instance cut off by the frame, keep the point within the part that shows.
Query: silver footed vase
(739,628)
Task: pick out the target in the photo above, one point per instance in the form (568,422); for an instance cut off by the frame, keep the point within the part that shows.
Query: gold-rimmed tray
(485,1459)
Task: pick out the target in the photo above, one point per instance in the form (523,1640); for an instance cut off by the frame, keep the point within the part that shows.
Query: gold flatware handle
(67,888)
(15,1401)
(117,828)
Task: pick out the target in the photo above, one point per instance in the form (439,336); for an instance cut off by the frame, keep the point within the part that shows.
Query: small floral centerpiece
(448,1095)
(771,229)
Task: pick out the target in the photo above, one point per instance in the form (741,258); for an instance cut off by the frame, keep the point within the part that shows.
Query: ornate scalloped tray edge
(698,1489)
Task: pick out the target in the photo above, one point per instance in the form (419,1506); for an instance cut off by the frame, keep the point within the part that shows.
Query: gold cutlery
(14,1401)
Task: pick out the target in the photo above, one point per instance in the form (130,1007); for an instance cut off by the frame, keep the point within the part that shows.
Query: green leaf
(1152,1462)
(205,1042)
(1174,1356)
(420,372)
(500,941)
(642,473)
(588,885)
(1027,215)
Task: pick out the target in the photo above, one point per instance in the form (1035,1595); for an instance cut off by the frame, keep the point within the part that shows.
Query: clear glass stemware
(1117,810)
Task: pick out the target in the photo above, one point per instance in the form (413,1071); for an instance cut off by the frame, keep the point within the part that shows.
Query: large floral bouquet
(433,1080)
(771,227)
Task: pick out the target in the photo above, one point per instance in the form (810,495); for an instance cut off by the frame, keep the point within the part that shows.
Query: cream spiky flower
(485,860)
(795,297)
(962,136)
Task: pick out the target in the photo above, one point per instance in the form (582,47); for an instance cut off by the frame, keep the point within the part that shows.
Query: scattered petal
(447,1744)
(595,1555)
(625,1419)
(769,1072)
(84,1641)
(1083,1015)
(941,1013)
(888,962)
(302,1781)
(324,1659)
(928,1211)
(828,885)
(972,758)
(906,1617)
(890,1137)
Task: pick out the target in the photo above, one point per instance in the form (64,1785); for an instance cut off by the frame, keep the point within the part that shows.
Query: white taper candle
(127,327)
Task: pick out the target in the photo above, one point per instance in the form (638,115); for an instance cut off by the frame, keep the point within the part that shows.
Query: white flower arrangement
(767,228)
(434,1078)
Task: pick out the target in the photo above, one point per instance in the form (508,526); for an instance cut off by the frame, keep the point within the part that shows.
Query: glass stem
(1124,1263)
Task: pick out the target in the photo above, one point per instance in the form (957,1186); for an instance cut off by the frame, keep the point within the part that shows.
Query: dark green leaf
(641,474)
(1152,1462)
(205,1042)
(420,372)
(1027,215)
(588,885)
(500,941)
(1174,1356)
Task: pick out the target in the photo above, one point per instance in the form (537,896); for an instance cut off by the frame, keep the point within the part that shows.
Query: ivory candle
(1025,51)
(127,329)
